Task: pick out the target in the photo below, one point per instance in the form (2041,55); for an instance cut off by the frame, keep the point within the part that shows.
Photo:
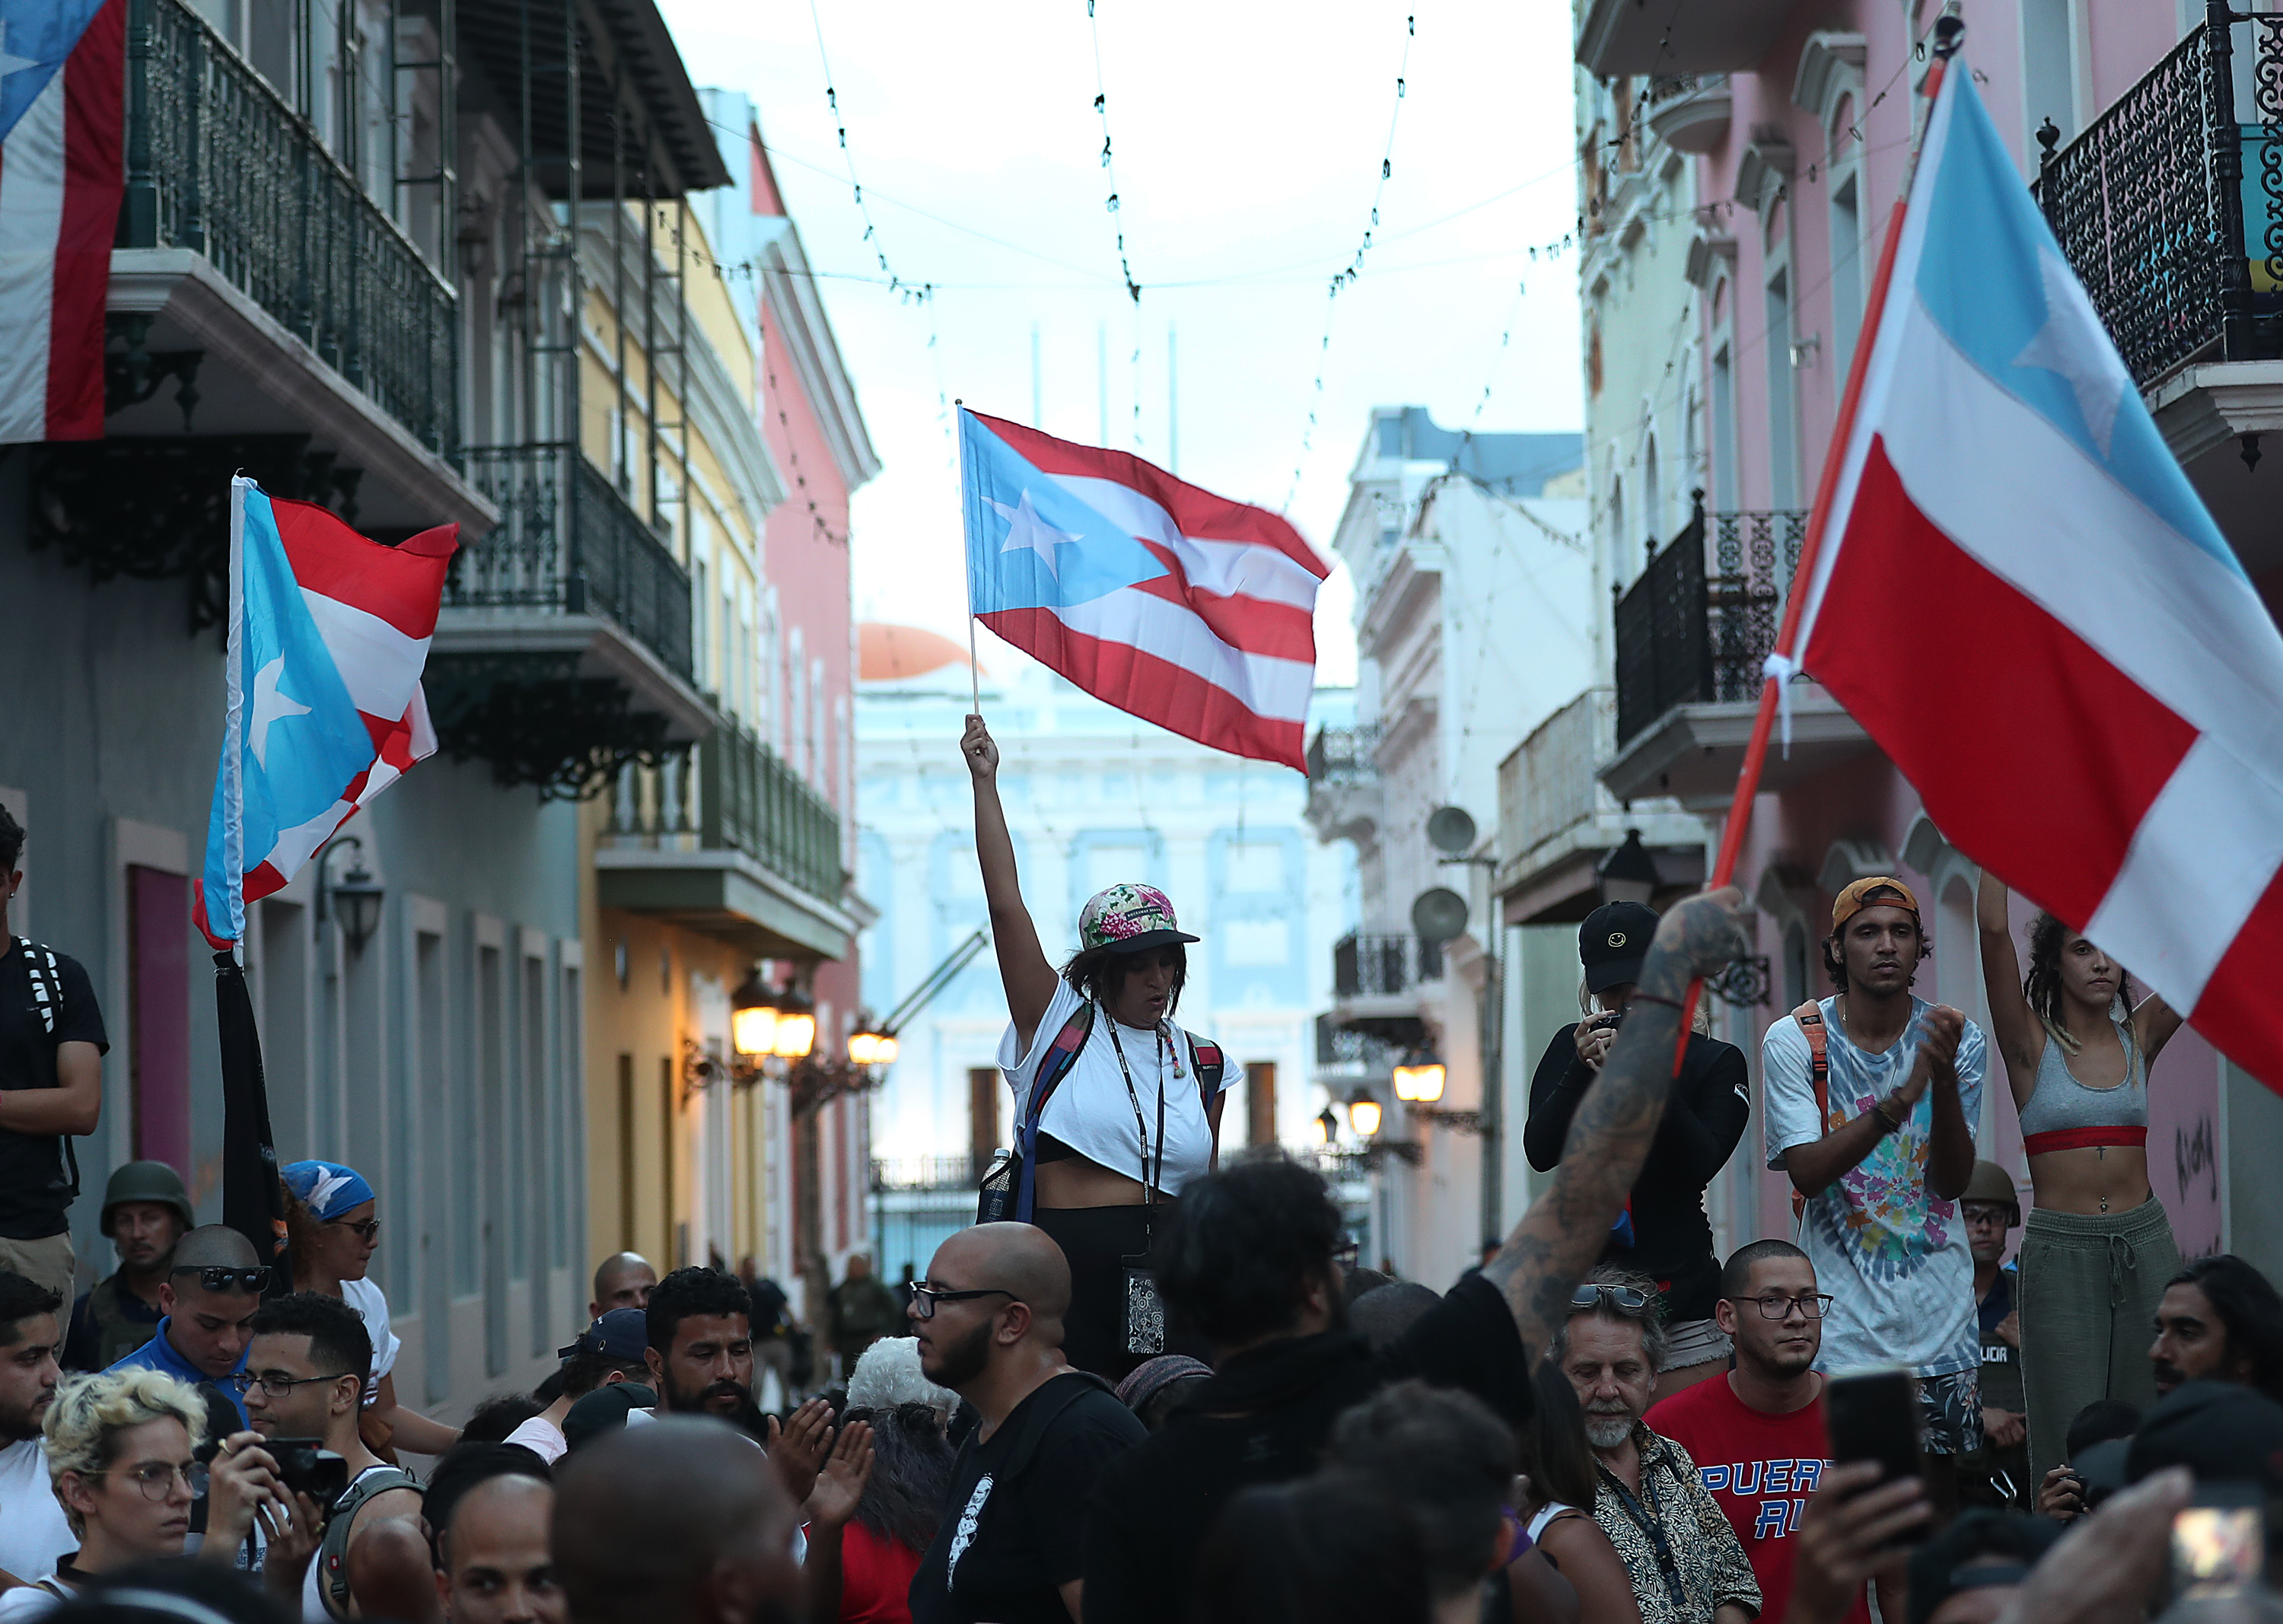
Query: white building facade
(1093,796)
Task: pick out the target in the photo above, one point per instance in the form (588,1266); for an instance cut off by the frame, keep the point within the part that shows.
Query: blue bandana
(326,1187)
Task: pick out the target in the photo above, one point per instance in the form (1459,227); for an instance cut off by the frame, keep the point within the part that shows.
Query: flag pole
(974,670)
(1949,32)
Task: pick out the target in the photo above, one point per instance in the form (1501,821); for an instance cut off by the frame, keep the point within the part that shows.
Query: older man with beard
(989,1320)
(1685,1561)
(1757,1434)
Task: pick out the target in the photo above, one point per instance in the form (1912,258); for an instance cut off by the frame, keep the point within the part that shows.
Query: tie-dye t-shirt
(1892,1255)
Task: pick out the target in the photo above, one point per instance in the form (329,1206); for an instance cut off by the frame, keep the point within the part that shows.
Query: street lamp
(1629,873)
(356,897)
(869,1048)
(1328,1127)
(796,1028)
(1421,1079)
(1363,1116)
(753,1018)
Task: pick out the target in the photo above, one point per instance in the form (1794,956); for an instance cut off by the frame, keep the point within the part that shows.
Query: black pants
(1096,1241)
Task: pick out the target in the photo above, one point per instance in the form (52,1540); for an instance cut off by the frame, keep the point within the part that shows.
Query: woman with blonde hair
(2097,1248)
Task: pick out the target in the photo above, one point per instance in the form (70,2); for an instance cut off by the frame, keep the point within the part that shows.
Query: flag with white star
(63,77)
(327,637)
(1176,605)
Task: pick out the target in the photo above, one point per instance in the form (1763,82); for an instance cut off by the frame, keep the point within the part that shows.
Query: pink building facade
(1798,120)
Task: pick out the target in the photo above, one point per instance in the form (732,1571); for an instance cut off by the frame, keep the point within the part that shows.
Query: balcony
(1377,980)
(1619,37)
(302,308)
(563,651)
(727,838)
(2170,207)
(1558,821)
(1692,634)
(1691,115)
(1344,800)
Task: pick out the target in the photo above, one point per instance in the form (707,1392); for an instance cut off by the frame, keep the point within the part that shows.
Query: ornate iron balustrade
(1381,965)
(567,542)
(2181,253)
(751,801)
(1690,635)
(217,162)
(1342,755)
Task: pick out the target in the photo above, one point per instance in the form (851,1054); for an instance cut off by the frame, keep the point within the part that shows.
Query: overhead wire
(1109,164)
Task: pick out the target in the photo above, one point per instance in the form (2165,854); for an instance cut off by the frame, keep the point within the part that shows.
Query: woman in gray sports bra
(2097,1248)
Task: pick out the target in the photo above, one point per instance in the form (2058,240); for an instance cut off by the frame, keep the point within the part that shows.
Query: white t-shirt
(33,1533)
(1892,1254)
(542,1437)
(1090,1110)
(372,1308)
(28,1600)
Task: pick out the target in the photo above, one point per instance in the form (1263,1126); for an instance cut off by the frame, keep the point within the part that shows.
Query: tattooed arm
(1563,1231)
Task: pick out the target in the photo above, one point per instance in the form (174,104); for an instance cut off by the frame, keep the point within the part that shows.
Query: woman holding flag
(2097,1249)
(1116,1107)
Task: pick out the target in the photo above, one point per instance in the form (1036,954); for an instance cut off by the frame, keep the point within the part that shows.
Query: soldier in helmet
(145,1211)
(1997,1473)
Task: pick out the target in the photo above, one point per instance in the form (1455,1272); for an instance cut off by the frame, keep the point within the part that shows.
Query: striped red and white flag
(1174,604)
(63,79)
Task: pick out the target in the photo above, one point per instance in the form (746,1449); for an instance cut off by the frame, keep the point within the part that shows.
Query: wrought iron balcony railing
(2169,206)
(566,541)
(1376,967)
(1687,635)
(1342,755)
(217,162)
(745,798)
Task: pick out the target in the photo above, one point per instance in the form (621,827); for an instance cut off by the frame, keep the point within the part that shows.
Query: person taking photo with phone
(1870,1093)
(1663,1232)
(1117,1107)
(2097,1249)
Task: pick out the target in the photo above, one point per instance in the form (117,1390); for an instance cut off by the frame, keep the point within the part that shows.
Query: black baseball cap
(1613,942)
(621,1336)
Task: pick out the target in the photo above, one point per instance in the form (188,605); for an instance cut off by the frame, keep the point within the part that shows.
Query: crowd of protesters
(1150,1386)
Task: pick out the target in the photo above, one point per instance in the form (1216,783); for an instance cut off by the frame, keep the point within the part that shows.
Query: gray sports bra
(2064,1115)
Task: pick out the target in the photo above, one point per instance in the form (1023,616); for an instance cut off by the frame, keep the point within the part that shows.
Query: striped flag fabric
(1174,604)
(63,87)
(327,637)
(2025,604)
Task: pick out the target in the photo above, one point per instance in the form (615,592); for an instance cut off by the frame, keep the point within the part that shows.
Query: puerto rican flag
(328,634)
(63,79)
(2022,600)
(1176,605)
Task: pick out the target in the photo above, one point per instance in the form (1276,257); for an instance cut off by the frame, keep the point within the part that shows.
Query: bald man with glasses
(989,1321)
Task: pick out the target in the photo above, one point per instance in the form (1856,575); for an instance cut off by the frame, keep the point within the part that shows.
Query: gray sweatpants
(2089,1289)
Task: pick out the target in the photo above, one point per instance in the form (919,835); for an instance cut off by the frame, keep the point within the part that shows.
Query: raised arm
(1563,1232)
(1022,968)
(2153,1022)
(2020,1036)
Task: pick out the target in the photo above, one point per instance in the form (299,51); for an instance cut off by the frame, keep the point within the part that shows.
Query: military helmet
(1992,1183)
(147,1181)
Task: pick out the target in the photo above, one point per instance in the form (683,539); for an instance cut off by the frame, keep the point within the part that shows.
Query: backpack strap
(1810,1017)
(47,979)
(1207,1061)
(1061,1056)
(341,1523)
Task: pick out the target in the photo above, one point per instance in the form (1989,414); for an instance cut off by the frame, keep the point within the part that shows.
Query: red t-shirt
(876,1578)
(1760,1468)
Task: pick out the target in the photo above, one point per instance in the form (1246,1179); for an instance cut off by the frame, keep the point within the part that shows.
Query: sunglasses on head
(216,1278)
(1624,1297)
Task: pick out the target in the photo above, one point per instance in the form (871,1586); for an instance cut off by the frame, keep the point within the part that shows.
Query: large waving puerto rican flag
(63,79)
(328,634)
(1176,605)
(2024,601)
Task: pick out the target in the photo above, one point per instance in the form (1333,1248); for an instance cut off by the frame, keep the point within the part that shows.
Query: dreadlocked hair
(2042,987)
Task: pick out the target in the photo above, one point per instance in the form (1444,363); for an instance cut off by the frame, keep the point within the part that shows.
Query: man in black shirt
(1663,1232)
(51,1047)
(989,1317)
(1248,1264)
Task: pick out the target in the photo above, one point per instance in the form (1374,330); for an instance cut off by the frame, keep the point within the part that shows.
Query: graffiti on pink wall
(2184,1142)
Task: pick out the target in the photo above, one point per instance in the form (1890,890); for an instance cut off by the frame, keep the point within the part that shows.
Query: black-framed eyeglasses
(1591,1295)
(1989,1212)
(925,1297)
(276,1382)
(156,1479)
(216,1278)
(365,1232)
(1775,1305)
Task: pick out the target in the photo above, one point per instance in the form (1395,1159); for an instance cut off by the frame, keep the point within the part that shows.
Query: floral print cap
(1126,918)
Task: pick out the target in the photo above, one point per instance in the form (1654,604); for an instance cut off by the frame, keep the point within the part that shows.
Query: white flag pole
(233,781)
(967,561)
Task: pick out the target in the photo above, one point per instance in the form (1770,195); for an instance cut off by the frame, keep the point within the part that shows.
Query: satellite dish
(1451,829)
(1440,913)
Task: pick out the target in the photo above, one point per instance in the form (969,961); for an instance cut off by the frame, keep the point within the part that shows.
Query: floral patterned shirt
(1678,1547)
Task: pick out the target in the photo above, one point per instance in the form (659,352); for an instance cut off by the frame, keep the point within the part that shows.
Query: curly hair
(82,1426)
(695,1292)
(1099,973)
(2042,987)
(1244,1247)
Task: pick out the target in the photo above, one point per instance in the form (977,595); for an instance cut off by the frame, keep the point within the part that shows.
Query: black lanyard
(1651,1525)
(1149,1179)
